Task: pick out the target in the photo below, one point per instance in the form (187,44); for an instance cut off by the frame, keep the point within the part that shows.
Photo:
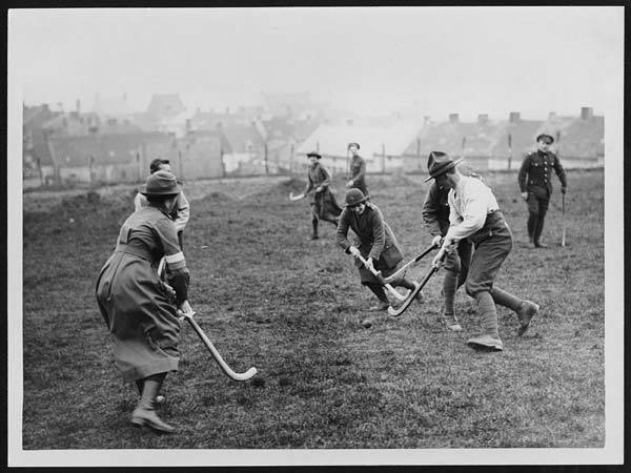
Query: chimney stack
(483,118)
(514,117)
(78,107)
(453,118)
(587,113)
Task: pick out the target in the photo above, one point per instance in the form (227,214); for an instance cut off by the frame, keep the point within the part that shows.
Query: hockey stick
(293,197)
(416,259)
(419,286)
(563,217)
(224,366)
(391,290)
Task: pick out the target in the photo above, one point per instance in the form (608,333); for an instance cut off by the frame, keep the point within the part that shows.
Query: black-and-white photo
(315,236)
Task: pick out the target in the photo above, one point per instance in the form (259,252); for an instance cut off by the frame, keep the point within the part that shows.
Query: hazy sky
(440,59)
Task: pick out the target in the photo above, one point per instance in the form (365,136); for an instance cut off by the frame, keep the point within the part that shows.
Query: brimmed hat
(161,183)
(354,144)
(156,163)
(545,137)
(354,197)
(314,154)
(438,163)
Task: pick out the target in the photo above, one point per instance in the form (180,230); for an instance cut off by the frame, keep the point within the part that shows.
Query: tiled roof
(332,140)
(75,151)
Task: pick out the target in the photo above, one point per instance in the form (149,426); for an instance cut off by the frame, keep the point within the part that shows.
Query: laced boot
(145,413)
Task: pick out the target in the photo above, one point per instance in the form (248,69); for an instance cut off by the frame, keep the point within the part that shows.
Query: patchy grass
(269,297)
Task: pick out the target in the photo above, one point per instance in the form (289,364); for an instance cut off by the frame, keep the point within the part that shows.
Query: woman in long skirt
(139,309)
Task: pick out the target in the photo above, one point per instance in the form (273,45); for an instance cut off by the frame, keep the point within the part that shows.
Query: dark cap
(354,144)
(161,183)
(545,138)
(156,163)
(438,163)
(314,154)
(354,197)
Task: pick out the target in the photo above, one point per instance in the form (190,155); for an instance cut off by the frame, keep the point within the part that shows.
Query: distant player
(535,183)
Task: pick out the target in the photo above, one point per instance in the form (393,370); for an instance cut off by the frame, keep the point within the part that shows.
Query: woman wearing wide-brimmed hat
(323,203)
(139,309)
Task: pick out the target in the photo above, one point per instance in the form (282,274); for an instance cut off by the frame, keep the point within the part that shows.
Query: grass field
(271,298)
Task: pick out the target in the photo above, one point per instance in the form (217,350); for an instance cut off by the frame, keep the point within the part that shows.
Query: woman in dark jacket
(323,203)
(139,309)
(377,244)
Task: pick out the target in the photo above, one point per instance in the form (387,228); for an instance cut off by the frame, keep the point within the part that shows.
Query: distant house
(200,155)
(108,158)
(247,150)
(383,148)
(579,141)
(35,151)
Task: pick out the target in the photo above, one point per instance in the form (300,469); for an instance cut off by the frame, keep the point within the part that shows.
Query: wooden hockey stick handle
(216,355)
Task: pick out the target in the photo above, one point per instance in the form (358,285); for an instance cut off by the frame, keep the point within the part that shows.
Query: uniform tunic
(535,178)
(324,205)
(376,241)
(436,217)
(358,174)
(138,310)
(474,214)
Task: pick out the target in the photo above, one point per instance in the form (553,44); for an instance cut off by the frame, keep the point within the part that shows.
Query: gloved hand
(353,250)
(350,183)
(437,240)
(524,195)
(319,189)
(186,308)
(369,265)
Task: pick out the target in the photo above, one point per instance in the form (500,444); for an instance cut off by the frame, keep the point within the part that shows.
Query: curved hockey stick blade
(397,311)
(293,197)
(224,366)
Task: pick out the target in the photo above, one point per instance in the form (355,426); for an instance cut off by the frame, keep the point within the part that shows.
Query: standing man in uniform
(323,203)
(181,211)
(377,245)
(535,184)
(475,214)
(357,171)
(436,217)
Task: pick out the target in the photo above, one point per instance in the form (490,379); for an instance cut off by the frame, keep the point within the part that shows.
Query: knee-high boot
(314,225)
(450,284)
(490,338)
(145,413)
(377,290)
(524,309)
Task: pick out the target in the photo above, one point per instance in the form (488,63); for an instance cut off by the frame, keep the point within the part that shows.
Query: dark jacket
(358,174)
(536,169)
(436,210)
(375,237)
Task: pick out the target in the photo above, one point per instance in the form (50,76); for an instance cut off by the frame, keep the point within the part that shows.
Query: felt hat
(354,144)
(354,197)
(314,154)
(438,163)
(161,183)
(545,138)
